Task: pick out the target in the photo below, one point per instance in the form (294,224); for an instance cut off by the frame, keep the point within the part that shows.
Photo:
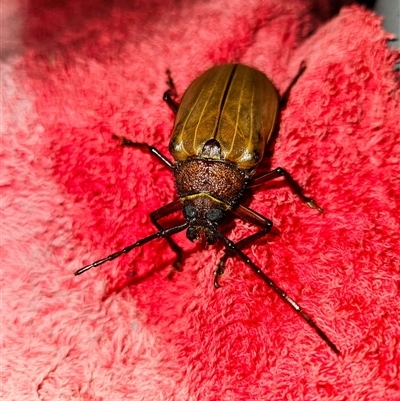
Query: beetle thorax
(220,180)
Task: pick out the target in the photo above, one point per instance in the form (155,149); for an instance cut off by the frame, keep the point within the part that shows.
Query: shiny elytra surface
(232,103)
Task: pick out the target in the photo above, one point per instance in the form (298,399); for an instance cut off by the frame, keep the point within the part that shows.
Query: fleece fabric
(75,73)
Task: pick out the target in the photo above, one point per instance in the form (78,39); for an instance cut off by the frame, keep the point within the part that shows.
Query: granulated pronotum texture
(82,71)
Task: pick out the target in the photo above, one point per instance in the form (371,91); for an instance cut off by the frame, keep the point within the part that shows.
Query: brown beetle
(223,124)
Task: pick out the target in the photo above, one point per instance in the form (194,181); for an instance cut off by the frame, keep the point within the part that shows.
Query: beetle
(223,124)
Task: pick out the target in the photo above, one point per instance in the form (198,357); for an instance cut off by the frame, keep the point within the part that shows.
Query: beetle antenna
(297,308)
(162,233)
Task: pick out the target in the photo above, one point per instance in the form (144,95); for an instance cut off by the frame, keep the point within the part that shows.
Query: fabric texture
(82,71)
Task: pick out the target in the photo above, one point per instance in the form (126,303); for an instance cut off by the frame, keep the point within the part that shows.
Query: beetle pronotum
(222,126)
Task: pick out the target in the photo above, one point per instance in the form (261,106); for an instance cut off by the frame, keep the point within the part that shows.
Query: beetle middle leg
(158,215)
(293,184)
(253,217)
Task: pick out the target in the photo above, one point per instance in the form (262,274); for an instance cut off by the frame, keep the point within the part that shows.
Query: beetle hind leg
(171,93)
(285,97)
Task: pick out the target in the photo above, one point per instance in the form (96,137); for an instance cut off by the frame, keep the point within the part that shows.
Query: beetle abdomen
(233,104)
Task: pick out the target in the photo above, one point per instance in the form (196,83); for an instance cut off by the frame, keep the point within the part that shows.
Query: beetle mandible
(223,124)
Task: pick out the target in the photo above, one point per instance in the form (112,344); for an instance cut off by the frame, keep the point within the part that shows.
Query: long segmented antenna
(231,245)
(163,233)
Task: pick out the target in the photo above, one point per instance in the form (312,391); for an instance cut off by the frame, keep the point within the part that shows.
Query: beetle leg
(253,217)
(128,143)
(170,93)
(285,96)
(170,102)
(293,184)
(159,214)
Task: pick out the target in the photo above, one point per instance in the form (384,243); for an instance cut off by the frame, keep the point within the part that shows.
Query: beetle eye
(216,215)
(189,212)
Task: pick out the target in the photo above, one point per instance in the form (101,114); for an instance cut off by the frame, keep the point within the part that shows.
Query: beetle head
(204,214)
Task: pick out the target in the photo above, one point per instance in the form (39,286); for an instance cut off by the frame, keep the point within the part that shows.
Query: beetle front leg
(253,217)
(128,143)
(293,184)
(158,215)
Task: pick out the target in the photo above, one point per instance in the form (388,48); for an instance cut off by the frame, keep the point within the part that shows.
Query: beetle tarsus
(216,283)
(167,97)
(171,85)
(176,268)
(285,97)
(171,93)
(313,205)
(218,272)
(123,141)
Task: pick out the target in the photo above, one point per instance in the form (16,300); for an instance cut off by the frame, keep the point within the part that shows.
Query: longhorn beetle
(222,126)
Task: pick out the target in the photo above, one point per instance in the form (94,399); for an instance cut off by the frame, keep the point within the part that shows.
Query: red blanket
(70,195)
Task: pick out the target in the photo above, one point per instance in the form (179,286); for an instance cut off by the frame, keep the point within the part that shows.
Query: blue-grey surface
(390,10)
